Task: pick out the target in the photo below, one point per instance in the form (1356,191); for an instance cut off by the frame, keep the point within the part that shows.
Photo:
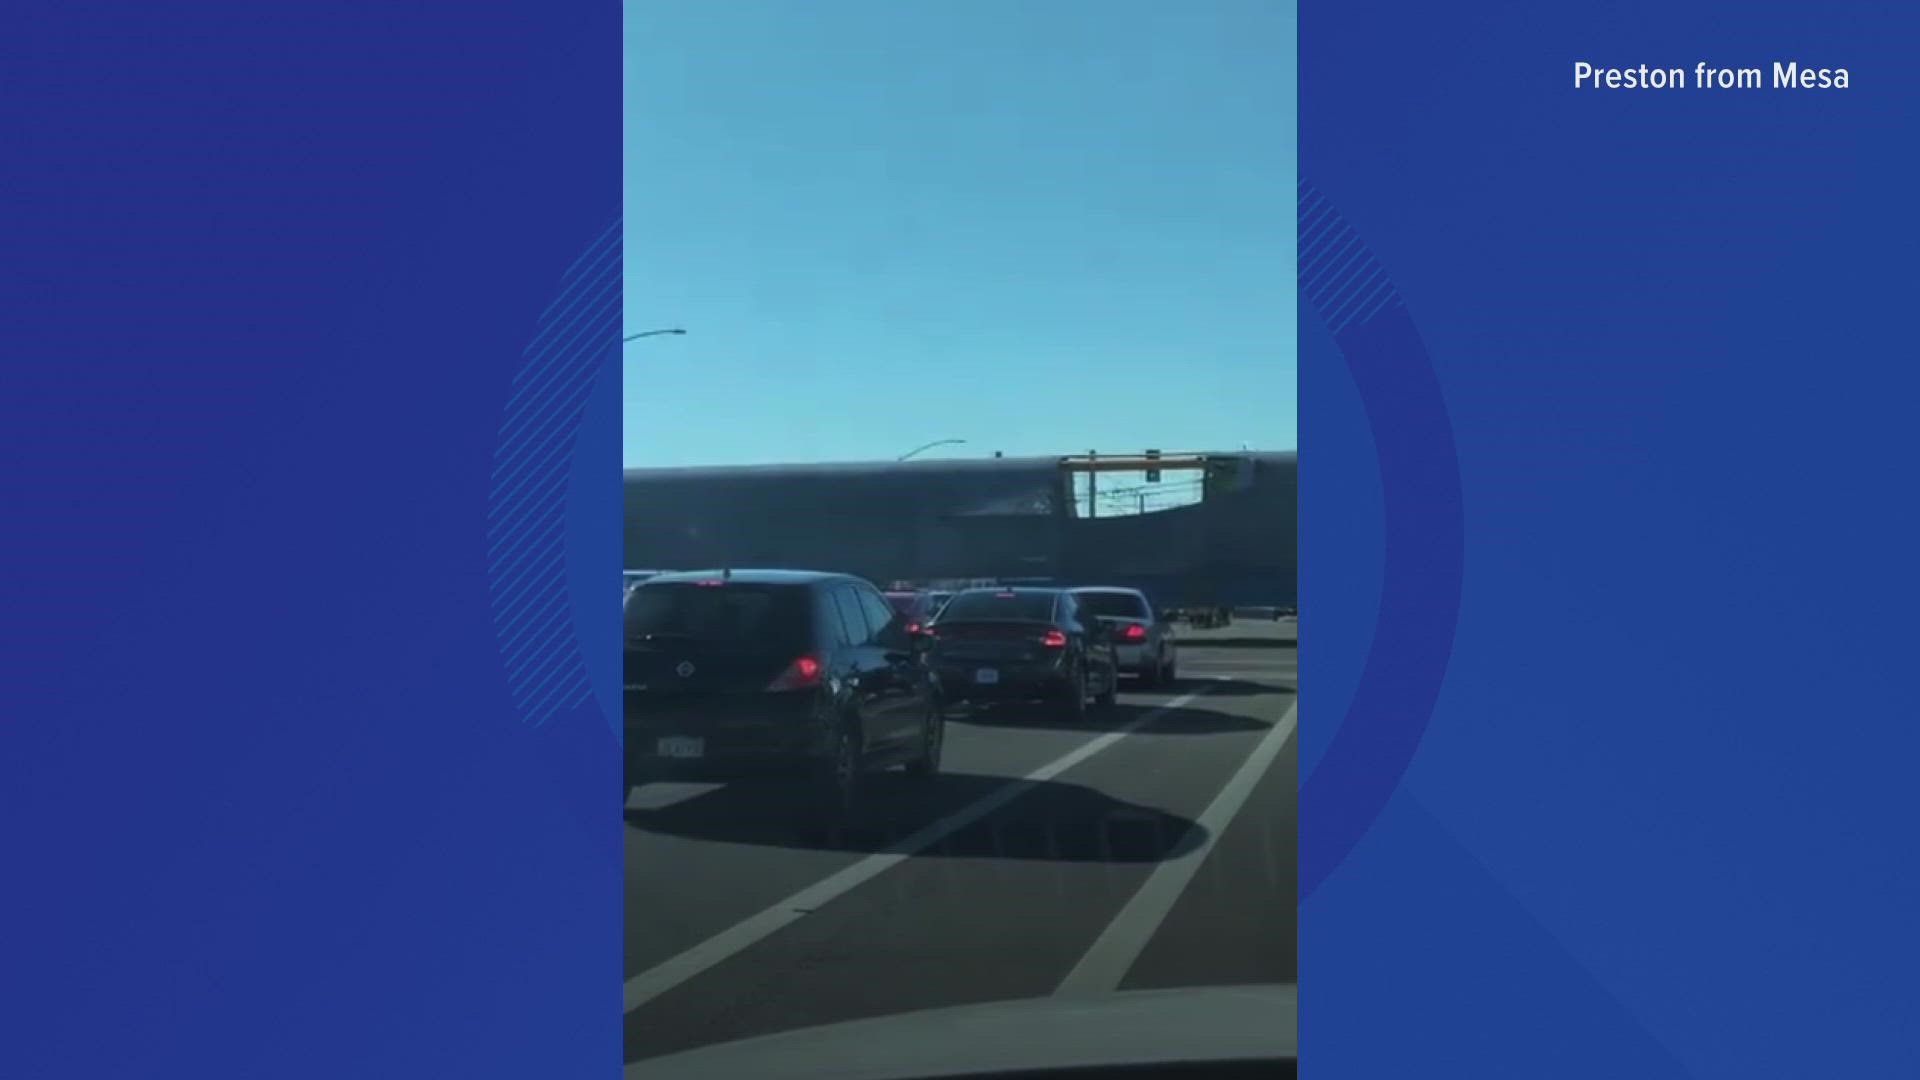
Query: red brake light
(1136,632)
(801,674)
(1054,640)
(913,628)
(709,584)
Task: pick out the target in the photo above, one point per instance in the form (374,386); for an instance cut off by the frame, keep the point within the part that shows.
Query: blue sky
(1039,227)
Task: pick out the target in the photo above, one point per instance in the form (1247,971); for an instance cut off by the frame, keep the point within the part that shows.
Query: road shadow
(1048,821)
(1191,719)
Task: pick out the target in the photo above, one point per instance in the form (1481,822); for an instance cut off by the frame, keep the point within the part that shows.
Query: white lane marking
(1113,954)
(668,974)
(662,794)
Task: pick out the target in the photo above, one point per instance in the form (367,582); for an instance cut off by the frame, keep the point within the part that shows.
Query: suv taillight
(1054,640)
(800,675)
(1134,632)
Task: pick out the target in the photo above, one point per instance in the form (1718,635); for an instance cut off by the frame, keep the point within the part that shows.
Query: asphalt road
(1152,846)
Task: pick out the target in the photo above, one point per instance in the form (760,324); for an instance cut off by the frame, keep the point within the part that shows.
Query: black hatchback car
(996,645)
(736,674)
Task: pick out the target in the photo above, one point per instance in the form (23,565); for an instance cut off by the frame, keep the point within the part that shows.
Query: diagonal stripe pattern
(1338,275)
(527,501)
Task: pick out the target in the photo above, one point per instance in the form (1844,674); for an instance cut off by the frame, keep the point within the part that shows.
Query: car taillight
(801,674)
(913,628)
(1054,640)
(1135,632)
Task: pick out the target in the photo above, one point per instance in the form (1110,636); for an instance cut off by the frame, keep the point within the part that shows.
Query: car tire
(839,779)
(1150,677)
(1111,692)
(932,739)
(1073,705)
(1170,675)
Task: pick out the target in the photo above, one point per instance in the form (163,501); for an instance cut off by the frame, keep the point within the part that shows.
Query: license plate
(682,747)
(987,676)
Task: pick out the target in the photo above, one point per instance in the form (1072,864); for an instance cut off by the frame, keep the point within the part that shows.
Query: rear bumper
(1133,658)
(959,680)
(722,737)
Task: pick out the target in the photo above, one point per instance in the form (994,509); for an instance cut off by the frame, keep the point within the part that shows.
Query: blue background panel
(1659,821)
(270,807)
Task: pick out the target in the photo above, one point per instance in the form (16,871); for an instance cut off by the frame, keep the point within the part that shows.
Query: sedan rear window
(719,614)
(1029,606)
(1114,605)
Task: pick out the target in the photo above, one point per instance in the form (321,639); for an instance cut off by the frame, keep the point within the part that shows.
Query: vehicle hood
(1134,1027)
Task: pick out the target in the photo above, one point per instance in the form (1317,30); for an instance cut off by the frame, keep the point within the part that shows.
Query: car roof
(1121,589)
(752,577)
(1022,590)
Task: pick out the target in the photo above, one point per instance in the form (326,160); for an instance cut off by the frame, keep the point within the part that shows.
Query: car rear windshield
(903,602)
(729,614)
(1116,605)
(984,606)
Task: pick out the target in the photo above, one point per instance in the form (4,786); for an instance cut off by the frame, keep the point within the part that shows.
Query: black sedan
(1005,645)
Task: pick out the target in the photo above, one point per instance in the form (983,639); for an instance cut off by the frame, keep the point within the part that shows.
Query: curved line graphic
(1424,532)
(527,500)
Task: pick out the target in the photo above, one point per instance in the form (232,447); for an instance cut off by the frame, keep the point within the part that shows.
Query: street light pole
(651,333)
(931,445)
